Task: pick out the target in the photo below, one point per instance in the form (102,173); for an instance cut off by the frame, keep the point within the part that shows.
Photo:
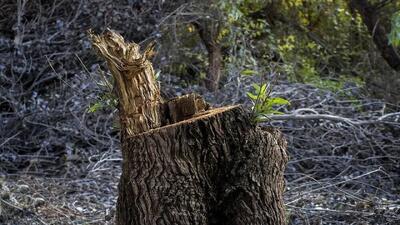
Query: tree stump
(196,165)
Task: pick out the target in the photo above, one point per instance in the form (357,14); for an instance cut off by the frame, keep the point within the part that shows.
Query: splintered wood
(134,80)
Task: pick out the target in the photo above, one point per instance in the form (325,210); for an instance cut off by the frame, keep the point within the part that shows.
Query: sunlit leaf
(248,72)
(263,90)
(256,87)
(93,108)
(279,101)
(252,96)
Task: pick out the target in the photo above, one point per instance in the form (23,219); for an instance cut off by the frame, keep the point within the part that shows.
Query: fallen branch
(316,116)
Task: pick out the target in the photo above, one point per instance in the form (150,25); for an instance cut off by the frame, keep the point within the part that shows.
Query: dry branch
(295,115)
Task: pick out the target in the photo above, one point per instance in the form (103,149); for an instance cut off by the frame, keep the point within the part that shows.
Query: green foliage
(244,37)
(320,42)
(394,36)
(307,73)
(106,101)
(248,72)
(263,103)
(95,107)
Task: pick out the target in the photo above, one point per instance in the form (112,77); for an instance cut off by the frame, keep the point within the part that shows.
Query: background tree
(375,22)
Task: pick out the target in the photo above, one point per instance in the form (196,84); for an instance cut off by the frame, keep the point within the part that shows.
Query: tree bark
(378,32)
(208,32)
(184,163)
(215,168)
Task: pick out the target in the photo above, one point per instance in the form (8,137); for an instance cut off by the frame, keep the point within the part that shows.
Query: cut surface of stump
(186,163)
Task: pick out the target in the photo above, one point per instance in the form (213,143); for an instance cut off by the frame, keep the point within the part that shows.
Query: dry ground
(60,164)
(339,173)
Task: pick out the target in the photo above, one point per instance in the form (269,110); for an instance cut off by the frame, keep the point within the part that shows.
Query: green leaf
(276,112)
(263,90)
(258,108)
(96,106)
(157,75)
(252,96)
(248,72)
(279,101)
(261,118)
(256,87)
(266,107)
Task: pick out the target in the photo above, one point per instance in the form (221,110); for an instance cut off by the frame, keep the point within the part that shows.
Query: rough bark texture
(182,108)
(208,33)
(215,168)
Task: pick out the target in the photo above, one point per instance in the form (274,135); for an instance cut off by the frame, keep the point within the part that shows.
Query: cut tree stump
(193,164)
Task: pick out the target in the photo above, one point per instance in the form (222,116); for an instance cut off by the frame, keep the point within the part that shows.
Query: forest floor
(60,164)
(341,171)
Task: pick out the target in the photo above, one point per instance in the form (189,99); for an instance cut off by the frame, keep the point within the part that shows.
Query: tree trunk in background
(379,34)
(385,85)
(185,163)
(208,32)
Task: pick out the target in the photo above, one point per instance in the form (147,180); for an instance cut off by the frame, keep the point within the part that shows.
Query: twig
(8,139)
(337,183)
(296,116)
(23,210)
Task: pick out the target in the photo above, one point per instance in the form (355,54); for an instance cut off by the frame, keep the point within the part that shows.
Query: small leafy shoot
(95,107)
(263,103)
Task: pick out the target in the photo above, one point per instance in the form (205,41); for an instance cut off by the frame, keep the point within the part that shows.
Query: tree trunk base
(207,167)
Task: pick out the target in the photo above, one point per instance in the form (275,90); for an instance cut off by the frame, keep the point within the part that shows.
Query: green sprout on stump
(263,103)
